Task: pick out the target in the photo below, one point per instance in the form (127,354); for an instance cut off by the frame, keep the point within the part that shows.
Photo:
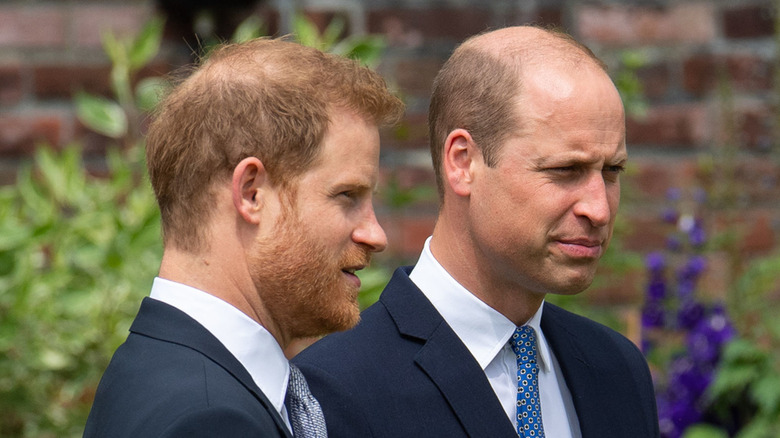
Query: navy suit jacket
(403,372)
(173,378)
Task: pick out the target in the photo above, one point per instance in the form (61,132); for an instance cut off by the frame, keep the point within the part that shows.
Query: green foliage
(367,49)
(119,119)
(704,431)
(629,85)
(746,389)
(77,253)
(102,115)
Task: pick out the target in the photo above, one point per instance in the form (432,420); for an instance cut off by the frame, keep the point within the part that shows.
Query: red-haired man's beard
(302,284)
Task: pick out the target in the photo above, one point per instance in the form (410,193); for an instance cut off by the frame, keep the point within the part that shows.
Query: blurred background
(693,276)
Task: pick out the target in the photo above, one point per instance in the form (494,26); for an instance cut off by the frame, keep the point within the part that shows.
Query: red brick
(754,21)
(411,133)
(406,235)
(408,27)
(62,81)
(10,85)
(759,181)
(645,233)
(415,75)
(759,236)
(684,126)
(755,128)
(626,25)
(32,26)
(750,73)
(700,74)
(550,16)
(615,288)
(743,72)
(20,133)
(652,178)
(91,21)
(655,79)
(715,280)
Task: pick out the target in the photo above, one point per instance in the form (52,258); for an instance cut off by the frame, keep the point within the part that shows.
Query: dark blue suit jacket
(173,378)
(403,372)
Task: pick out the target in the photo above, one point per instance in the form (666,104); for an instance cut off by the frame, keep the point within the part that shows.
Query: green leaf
(366,49)
(743,350)
(101,115)
(52,172)
(53,360)
(704,431)
(249,29)
(766,393)
(306,32)
(114,48)
(148,93)
(146,45)
(332,33)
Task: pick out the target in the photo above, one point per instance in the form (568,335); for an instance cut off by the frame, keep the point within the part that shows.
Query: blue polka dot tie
(529,411)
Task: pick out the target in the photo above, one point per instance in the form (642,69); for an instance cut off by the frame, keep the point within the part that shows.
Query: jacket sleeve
(344,417)
(221,421)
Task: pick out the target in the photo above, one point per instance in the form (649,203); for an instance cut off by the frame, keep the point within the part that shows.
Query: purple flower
(655,262)
(684,414)
(700,195)
(688,379)
(705,342)
(697,236)
(685,287)
(690,314)
(656,289)
(673,243)
(653,315)
(692,269)
(670,216)
(673,194)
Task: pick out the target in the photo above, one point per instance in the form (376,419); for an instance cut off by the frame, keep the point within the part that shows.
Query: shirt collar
(482,329)
(254,347)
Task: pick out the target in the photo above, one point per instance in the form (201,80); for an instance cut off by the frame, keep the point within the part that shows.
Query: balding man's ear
(249,177)
(459,155)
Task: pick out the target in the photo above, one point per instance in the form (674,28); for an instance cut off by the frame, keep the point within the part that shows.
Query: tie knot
(297,386)
(523,343)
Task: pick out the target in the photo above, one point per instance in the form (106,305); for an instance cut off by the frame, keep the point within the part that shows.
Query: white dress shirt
(486,333)
(254,347)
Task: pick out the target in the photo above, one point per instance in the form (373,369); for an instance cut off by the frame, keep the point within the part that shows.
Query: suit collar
(583,368)
(445,360)
(161,321)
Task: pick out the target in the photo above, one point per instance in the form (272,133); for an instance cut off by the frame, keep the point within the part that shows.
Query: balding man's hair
(479,88)
(266,98)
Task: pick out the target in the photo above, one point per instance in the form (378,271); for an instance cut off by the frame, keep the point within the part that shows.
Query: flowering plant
(681,331)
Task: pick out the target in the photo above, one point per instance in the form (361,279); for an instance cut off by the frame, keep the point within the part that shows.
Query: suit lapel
(162,321)
(589,387)
(445,360)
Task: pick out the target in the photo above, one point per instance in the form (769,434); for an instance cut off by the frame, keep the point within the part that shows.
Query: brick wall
(48,49)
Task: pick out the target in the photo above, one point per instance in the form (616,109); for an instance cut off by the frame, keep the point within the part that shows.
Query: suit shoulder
(221,420)
(374,326)
(151,384)
(585,328)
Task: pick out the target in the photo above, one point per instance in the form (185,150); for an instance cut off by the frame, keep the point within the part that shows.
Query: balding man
(263,162)
(528,142)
